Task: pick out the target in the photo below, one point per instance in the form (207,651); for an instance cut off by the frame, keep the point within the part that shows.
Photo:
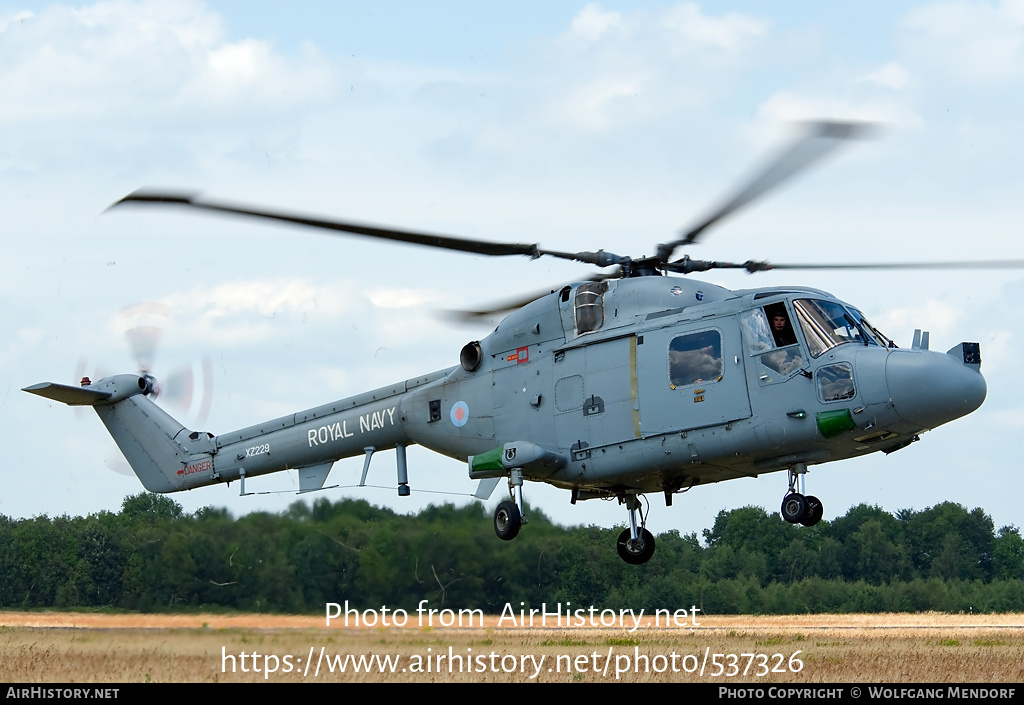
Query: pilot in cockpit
(782,331)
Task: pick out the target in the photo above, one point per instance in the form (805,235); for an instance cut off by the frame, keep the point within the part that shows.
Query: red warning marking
(201,466)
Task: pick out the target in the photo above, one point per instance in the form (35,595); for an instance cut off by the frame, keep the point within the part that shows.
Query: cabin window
(835,382)
(589,305)
(695,358)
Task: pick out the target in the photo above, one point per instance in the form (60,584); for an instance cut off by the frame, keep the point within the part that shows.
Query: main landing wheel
(507,520)
(635,552)
(814,511)
(794,507)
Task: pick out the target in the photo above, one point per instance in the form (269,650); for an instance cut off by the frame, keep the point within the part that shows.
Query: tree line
(152,556)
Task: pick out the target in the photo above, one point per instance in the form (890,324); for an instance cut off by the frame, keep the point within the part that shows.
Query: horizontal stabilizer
(73,396)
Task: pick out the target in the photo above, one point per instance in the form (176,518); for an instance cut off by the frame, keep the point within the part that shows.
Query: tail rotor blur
(185,391)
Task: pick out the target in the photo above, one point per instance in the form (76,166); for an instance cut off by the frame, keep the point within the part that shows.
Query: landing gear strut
(798,508)
(635,544)
(509,516)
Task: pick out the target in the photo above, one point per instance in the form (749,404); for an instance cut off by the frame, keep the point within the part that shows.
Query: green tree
(875,556)
(750,541)
(150,507)
(1008,554)
(949,542)
(865,549)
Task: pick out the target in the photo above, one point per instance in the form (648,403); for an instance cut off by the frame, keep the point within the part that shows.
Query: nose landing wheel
(635,544)
(507,520)
(638,550)
(509,516)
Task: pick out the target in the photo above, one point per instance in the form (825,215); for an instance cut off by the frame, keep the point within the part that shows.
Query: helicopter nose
(931,388)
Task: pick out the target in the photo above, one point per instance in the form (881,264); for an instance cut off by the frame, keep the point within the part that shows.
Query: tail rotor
(186,391)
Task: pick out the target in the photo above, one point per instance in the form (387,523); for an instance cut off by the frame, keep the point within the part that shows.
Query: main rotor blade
(494,308)
(981,264)
(816,142)
(687,265)
(480,247)
(445,242)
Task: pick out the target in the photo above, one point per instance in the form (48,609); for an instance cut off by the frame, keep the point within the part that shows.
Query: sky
(575,125)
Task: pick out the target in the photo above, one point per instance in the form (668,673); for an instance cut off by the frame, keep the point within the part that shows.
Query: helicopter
(629,383)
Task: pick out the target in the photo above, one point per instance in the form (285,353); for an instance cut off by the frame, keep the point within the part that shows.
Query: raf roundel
(460,413)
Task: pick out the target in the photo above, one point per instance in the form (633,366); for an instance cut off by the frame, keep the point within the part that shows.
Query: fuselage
(644,384)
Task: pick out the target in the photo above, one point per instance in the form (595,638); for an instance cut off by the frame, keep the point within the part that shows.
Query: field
(91,648)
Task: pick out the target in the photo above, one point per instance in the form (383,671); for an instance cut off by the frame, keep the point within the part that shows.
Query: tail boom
(167,457)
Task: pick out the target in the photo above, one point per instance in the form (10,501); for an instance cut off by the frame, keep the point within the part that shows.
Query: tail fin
(158,448)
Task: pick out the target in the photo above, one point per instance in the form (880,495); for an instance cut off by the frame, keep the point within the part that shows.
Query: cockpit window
(781,326)
(769,336)
(756,332)
(827,324)
(589,305)
(870,330)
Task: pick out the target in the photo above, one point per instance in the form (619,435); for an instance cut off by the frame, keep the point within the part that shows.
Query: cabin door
(691,376)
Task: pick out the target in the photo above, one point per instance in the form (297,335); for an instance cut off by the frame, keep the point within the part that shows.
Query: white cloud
(266,297)
(243,62)
(129,26)
(681,27)
(21,342)
(16,18)
(940,318)
(1000,353)
(727,32)
(591,22)
(155,60)
(399,297)
(787,107)
(969,39)
(1011,420)
(603,102)
(892,75)
(619,69)
(239,312)
(249,73)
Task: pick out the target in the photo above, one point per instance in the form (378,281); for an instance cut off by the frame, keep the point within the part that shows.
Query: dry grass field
(905,648)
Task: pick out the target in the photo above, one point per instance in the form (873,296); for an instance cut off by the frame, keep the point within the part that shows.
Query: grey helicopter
(629,383)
